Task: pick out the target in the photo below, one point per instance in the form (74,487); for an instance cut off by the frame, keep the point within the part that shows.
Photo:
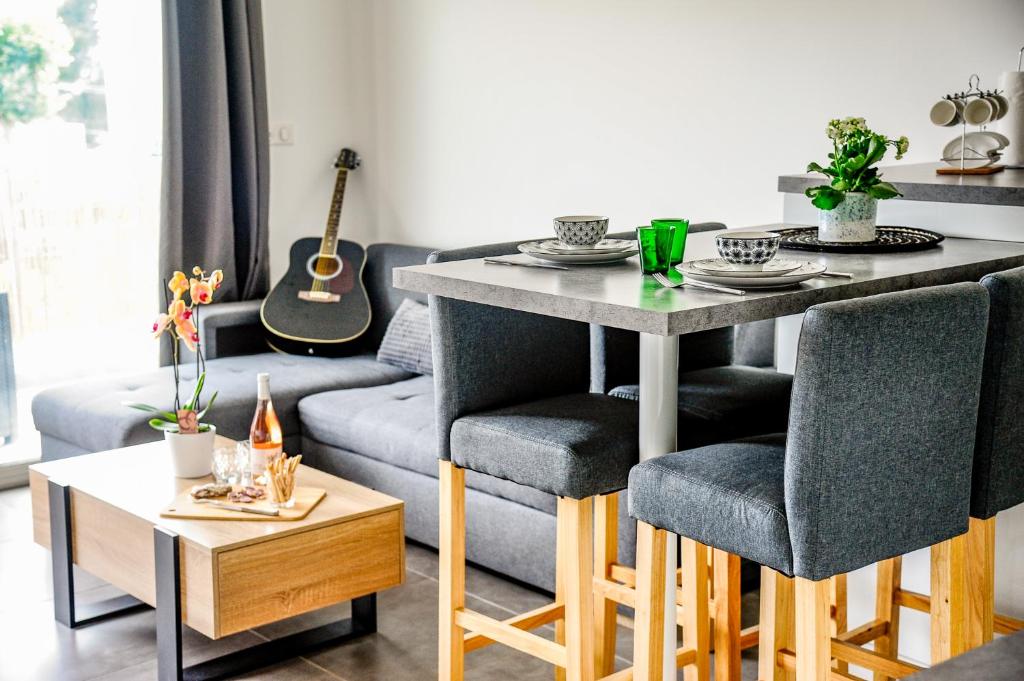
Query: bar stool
(720,399)
(882,427)
(513,403)
(997,479)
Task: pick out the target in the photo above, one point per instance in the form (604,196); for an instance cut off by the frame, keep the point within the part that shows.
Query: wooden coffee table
(101,512)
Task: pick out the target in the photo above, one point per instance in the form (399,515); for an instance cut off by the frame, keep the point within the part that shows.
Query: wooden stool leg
(981,574)
(948,600)
(889,581)
(837,599)
(606,553)
(727,615)
(696,617)
(775,624)
(648,637)
(560,570)
(813,630)
(576,551)
(451,571)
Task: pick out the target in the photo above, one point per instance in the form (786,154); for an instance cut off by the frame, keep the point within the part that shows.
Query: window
(80,128)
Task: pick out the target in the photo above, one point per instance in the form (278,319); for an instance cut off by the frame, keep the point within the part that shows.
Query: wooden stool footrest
(854,654)
(511,636)
(865,633)
(1004,624)
(526,621)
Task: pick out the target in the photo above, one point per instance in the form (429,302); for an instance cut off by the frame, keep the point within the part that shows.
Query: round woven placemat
(889,240)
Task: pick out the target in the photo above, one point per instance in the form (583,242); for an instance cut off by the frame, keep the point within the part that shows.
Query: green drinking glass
(679,241)
(655,247)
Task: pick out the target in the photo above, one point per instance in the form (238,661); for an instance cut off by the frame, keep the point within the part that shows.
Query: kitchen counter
(919,182)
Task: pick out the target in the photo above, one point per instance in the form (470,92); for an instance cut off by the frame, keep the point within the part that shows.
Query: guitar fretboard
(329,244)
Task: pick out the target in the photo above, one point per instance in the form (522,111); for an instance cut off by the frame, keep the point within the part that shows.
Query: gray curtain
(215,152)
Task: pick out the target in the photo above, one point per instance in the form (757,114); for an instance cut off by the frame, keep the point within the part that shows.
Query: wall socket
(282,134)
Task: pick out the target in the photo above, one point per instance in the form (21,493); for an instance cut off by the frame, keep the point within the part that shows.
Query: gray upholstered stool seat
(728,495)
(726,402)
(569,445)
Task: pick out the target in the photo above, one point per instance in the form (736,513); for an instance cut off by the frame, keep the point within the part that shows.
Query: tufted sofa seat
(90,417)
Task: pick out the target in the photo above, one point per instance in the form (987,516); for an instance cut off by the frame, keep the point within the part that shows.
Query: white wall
(317,61)
(480,120)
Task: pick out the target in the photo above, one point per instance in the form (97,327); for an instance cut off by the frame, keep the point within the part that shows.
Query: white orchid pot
(191,454)
(852,221)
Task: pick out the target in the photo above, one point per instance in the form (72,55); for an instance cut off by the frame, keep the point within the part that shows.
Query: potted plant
(848,204)
(190,439)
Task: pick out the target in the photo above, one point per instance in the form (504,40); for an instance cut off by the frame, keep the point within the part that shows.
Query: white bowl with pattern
(580,231)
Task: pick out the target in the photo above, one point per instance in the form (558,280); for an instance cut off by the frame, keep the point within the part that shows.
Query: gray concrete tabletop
(617,295)
(920,182)
(1000,660)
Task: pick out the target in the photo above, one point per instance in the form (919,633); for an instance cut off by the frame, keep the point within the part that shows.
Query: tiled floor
(33,646)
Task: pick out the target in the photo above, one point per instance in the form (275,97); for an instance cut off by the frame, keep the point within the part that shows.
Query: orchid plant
(181,324)
(856,150)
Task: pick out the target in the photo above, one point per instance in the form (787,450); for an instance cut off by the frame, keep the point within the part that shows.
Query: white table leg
(659,413)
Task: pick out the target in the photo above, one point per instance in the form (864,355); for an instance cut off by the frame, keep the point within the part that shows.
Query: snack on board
(281,477)
(246,495)
(209,491)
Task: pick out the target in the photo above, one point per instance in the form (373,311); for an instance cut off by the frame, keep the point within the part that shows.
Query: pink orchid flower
(200,291)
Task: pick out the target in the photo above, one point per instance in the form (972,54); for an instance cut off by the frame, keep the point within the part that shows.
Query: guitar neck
(329,244)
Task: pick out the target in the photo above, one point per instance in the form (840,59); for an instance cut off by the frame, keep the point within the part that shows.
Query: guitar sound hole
(324,268)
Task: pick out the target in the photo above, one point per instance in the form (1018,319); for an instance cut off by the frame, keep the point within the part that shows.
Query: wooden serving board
(306,499)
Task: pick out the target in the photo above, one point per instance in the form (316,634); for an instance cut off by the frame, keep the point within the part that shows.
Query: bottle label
(260,457)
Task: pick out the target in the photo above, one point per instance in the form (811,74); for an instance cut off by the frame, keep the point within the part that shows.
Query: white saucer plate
(576,258)
(605,246)
(808,270)
(982,148)
(772,268)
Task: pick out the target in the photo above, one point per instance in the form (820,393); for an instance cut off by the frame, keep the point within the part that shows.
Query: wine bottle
(265,433)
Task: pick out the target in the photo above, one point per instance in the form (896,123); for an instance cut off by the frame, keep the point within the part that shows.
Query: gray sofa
(355,417)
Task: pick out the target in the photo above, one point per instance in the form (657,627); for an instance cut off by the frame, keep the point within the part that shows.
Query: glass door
(80,138)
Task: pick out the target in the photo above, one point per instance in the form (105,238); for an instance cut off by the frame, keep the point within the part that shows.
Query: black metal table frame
(167,553)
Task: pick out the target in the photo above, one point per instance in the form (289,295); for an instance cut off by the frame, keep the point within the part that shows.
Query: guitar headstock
(348,159)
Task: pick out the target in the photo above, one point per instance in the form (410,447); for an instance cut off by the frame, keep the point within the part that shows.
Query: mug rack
(973,91)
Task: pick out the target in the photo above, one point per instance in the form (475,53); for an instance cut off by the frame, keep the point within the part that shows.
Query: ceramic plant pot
(852,221)
(192,454)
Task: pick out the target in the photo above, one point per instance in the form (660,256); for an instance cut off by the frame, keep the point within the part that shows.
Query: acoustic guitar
(320,304)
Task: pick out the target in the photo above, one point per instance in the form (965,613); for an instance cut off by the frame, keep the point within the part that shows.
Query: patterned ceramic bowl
(747,250)
(580,230)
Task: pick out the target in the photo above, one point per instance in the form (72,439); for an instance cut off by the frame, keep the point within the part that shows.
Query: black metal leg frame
(168,610)
(65,610)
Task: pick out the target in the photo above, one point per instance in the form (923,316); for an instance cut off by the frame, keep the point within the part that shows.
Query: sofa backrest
(381,259)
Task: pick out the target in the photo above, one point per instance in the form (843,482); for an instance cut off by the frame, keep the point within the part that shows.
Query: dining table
(618,295)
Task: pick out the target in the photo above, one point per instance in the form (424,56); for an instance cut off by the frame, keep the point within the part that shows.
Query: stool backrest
(487,357)
(998,479)
(882,426)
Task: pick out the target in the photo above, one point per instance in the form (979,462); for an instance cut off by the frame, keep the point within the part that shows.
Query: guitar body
(318,308)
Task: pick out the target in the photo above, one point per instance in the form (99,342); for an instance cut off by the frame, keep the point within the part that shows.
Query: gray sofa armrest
(229,329)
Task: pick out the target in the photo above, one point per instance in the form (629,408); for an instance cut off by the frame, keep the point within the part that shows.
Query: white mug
(978,111)
(946,112)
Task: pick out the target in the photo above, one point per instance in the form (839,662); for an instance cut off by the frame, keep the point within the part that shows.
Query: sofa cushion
(90,414)
(730,496)
(392,423)
(406,343)
(395,424)
(571,445)
(725,403)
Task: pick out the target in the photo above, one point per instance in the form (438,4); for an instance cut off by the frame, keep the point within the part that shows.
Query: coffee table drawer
(287,576)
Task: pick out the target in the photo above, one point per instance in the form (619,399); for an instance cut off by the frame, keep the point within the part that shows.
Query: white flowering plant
(856,151)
